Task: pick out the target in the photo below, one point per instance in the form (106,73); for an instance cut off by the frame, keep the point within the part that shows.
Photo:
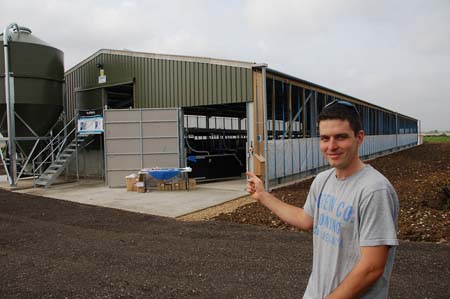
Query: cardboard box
(182,185)
(130,181)
(160,185)
(167,187)
(176,186)
(140,187)
(192,184)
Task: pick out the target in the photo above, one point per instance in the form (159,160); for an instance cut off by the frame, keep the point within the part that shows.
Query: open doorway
(215,139)
(91,158)
(120,96)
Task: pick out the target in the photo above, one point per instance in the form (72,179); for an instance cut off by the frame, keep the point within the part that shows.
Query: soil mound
(418,174)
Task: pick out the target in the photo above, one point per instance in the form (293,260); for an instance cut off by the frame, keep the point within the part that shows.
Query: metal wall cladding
(164,83)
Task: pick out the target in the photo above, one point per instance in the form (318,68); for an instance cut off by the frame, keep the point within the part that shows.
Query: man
(352,209)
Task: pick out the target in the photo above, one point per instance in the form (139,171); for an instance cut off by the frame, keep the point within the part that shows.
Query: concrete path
(162,203)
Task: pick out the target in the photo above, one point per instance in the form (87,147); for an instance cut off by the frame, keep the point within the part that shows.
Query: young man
(352,210)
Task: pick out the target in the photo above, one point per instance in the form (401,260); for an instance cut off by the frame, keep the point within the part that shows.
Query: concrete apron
(162,203)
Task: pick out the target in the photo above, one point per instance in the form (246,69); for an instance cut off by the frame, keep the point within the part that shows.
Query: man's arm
(366,272)
(295,216)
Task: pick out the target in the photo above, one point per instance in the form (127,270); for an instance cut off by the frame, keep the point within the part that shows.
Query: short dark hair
(344,111)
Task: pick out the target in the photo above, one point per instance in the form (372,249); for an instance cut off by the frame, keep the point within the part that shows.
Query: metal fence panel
(303,157)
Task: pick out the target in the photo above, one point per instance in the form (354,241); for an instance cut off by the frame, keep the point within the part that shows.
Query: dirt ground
(418,175)
(58,249)
(51,248)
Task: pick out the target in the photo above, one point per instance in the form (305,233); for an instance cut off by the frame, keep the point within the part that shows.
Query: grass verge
(438,138)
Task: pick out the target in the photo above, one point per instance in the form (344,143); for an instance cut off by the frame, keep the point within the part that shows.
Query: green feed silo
(37,70)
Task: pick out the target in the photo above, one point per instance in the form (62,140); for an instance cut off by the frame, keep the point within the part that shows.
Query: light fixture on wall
(102,70)
(102,76)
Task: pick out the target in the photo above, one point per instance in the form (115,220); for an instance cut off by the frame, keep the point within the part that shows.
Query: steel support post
(76,149)
(250,136)
(9,99)
(105,157)
(396,130)
(12,149)
(266,137)
(181,148)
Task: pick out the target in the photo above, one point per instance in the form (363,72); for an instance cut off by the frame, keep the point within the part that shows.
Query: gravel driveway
(56,249)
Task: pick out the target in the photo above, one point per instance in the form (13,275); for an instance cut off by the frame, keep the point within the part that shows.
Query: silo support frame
(25,124)
(10,112)
(26,156)
(4,164)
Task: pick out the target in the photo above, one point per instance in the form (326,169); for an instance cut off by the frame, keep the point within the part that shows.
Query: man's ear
(360,137)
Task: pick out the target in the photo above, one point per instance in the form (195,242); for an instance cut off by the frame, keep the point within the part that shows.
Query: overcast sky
(393,53)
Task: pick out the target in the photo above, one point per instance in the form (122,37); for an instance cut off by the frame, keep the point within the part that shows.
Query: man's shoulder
(321,178)
(375,180)
(324,175)
(373,173)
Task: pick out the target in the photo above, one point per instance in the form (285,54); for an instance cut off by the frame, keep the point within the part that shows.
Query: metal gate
(141,138)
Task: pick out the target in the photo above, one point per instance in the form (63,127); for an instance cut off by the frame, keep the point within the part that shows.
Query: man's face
(338,143)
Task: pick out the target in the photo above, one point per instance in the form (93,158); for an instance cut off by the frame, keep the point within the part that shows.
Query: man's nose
(332,144)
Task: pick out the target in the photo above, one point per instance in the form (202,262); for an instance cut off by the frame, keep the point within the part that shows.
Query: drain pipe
(9,99)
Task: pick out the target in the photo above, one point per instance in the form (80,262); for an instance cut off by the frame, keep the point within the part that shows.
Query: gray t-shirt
(360,210)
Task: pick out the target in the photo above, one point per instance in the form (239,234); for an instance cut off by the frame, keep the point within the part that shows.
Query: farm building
(220,117)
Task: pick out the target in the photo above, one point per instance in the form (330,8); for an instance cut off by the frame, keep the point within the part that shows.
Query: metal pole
(105,149)
(76,148)
(141,130)
(250,135)
(9,99)
(266,138)
(419,141)
(396,130)
(181,146)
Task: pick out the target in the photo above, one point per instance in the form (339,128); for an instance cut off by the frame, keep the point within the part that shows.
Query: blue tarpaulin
(164,174)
